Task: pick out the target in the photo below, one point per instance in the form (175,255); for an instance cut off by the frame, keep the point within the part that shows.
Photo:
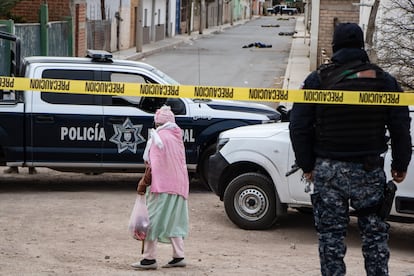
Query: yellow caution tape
(208,92)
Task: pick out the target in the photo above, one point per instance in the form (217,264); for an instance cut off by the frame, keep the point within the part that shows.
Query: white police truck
(93,133)
(252,174)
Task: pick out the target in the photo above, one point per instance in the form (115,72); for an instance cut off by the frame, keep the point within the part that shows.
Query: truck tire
(203,166)
(250,201)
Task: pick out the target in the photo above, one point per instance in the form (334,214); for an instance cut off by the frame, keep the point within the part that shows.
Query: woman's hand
(141,188)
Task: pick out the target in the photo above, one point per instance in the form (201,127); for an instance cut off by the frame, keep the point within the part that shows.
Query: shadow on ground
(49,180)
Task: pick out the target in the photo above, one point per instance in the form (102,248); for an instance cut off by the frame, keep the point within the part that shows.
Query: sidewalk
(298,67)
(296,70)
(298,64)
(155,47)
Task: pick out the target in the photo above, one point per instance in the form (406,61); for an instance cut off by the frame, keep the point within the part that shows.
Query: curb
(167,44)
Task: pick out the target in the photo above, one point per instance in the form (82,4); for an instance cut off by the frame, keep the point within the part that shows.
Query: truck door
(296,182)
(11,103)
(126,125)
(65,129)
(127,120)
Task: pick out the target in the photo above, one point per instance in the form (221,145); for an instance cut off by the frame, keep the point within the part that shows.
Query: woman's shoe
(176,262)
(145,264)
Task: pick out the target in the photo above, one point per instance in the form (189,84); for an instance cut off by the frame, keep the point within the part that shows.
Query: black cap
(347,35)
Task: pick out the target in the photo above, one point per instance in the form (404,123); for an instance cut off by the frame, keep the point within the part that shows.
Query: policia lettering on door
(127,136)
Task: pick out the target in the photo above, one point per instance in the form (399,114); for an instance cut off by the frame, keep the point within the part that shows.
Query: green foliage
(6,6)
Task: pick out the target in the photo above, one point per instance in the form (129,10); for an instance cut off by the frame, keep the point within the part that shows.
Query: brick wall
(28,10)
(80,30)
(331,10)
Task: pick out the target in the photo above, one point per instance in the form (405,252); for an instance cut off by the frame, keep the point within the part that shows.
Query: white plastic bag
(139,220)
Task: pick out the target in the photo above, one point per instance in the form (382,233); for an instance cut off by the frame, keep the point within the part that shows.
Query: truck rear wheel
(250,201)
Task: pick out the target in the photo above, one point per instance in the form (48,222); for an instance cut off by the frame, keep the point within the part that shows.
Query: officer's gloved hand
(308,176)
(398,176)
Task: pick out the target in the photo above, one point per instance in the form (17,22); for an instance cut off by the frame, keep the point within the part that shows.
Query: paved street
(219,59)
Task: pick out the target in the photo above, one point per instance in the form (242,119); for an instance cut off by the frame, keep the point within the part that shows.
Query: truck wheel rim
(251,203)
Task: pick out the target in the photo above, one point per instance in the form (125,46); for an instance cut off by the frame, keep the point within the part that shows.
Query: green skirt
(168,216)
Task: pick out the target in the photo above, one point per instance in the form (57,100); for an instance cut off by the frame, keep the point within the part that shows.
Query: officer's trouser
(338,184)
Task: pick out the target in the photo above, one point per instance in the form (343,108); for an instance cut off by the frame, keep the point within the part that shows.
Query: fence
(99,34)
(58,41)
(60,34)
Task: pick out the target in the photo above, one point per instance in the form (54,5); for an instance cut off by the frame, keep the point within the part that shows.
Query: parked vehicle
(282,9)
(102,133)
(248,172)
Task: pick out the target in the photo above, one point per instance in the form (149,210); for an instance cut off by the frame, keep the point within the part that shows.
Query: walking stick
(142,247)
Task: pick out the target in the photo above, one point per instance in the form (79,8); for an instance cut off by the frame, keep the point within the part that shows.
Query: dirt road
(73,224)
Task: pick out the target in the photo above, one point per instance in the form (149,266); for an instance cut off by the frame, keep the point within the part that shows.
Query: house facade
(121,24)
(324,15)
(321,17)
(155,20)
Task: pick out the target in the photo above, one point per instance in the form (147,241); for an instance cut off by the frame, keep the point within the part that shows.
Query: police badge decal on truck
(127,136)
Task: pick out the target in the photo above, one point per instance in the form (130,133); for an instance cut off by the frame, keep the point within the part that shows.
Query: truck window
(122,77)
(69,98)
(148,104)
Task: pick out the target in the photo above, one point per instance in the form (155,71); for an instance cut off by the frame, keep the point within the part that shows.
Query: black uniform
(342,146)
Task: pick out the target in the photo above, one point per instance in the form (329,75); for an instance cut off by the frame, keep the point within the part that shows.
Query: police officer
(340,148)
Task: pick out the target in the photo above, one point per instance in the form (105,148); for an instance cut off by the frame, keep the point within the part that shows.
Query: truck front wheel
(250,201)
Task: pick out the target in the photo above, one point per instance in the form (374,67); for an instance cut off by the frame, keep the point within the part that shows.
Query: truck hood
(240,106)
(256,131)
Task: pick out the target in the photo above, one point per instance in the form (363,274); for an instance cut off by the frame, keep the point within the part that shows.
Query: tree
(371,30)
(6,6)
(394,40)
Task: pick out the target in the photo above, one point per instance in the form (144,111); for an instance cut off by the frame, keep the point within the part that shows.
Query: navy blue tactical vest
(351,130)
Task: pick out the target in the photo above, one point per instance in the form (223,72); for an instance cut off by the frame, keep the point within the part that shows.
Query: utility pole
(188,14)
(138,26)
(103,13)
(231,12)
(202,15)
(250,9)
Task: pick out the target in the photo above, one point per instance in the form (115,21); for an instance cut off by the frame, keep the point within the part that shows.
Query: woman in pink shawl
(167,195)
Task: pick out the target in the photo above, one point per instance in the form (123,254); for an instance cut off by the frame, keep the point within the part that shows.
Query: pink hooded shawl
(167,160)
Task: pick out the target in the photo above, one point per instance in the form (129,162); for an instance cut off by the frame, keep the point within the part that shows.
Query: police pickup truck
(102,133)
(282,9)
(249,173)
